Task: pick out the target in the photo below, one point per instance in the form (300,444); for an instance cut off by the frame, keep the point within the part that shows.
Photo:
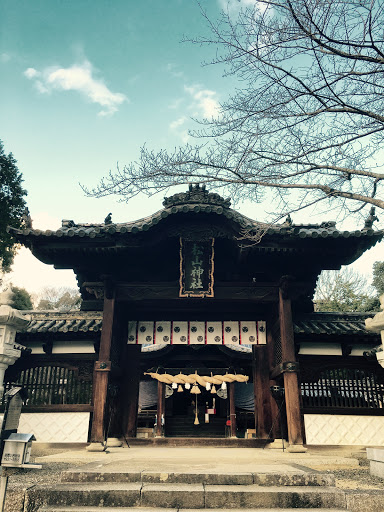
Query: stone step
(141,509)
(186,496)
(198,441)
(264,477)
(233,496)
(90,495)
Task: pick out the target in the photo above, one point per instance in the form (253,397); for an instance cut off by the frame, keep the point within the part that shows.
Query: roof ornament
(288,221)
(370,219)
(26,218)
(6,297)
(66,223)
(376,324)
(196,195)
(108,219)
(328,224)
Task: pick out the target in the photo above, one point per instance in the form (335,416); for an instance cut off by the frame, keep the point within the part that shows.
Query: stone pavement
(181,459)
(221,478)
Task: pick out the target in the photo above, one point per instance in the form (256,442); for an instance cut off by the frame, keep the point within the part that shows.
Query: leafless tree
(344,290)
(306,120)
(59,299)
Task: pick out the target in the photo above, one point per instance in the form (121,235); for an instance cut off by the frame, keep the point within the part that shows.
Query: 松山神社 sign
(196,268)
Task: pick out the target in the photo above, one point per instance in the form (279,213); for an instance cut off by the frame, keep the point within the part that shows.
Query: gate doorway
(201,415)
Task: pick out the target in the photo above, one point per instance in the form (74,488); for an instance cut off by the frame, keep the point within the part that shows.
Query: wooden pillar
(160,409)
(262,396)
(131,383)
(124,416)
(290,369)
(232,409)
(276,429)
(101,374)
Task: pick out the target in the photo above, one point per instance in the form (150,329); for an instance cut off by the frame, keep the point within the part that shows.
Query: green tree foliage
(59,299)
(349,291)
(21,298)
(378,277)
(12,206)
(304,122)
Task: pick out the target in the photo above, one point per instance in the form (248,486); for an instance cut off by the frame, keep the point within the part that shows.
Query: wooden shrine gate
(253,333)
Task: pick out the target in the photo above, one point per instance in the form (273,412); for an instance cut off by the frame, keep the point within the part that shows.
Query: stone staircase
(89,489)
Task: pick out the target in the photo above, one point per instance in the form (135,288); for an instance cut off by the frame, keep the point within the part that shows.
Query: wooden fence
(53,385)
(346,389)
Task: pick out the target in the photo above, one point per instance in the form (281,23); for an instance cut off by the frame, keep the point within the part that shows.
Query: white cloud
(29,273)
(204,101)
(171,68)
(78,77)
(31,73)
(4,57)
(43,220)
(203,104)
(177,123)
(233,7)
(175,104)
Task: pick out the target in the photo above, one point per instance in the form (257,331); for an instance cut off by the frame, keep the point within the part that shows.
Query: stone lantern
(376,324)
(11,321)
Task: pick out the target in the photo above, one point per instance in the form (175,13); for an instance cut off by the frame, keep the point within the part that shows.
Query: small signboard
(196,268)
(14,399)
(17,450)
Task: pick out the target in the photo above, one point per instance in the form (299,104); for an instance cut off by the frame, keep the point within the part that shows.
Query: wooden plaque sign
(196,268)
(14,412)
(14,399)
(14,402)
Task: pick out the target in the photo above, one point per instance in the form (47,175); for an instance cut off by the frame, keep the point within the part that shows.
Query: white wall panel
(214,333)
(55,427)
(162,333)
(197,333)
(335,429)
(180,333)
(248,333)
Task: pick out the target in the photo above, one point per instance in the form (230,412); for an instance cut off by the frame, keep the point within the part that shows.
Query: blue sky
(84,84)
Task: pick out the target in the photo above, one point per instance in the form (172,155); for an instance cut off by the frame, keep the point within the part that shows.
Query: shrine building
(198,322)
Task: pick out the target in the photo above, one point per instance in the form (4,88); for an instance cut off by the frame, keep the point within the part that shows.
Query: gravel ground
(21,479)
(357,478)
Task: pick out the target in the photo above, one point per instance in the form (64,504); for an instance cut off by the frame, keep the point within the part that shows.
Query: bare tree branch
(307,117)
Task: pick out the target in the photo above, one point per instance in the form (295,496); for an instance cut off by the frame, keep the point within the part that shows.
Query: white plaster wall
(320,349)
(329,429)
(55,427)
(67,347)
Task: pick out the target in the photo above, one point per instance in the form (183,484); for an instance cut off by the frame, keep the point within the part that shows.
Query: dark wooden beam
(101,373)
(291,384)
(159,431)
(276,428)
(232,409)
(245,291)
(130,382)
(262,395)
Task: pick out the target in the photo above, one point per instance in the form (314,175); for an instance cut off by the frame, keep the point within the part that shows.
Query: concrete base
(114,442)
(95,447)
(277,444)
(376,461)
(296,448)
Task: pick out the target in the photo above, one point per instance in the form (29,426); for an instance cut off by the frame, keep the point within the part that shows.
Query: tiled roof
(54,321)
(316,323)
(71,229)
(333,324)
